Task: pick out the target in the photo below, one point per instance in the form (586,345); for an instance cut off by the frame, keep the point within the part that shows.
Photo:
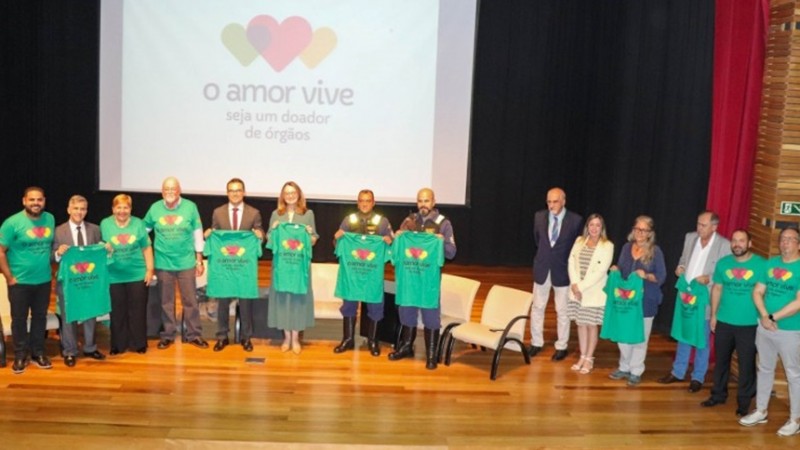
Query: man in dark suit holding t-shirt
(554,232)
(235,215)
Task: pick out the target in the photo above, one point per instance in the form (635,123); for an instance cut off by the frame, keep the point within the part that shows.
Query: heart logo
(82,267)
(688,299)
(171,219)
(625,294)
(279,43)
(363,254)
(233,250)
(236,39)
(781,274)
(123,239)
(322,44)
(737,273)
(38,232)
(293,244)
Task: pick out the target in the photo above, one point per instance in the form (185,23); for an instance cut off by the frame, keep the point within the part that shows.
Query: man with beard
(25,241)
(427,220)
(178,233)
(734,319)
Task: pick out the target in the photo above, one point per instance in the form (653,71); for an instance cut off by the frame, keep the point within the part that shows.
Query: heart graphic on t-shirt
(625,294)
(38,232)
(363,254)
(781,274)
(688,299)
(233,250)
(123,239)
(416,253)
(171,219)
(82,267)
(293,244)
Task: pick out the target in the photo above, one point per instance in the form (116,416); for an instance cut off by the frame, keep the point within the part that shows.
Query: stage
(184,397)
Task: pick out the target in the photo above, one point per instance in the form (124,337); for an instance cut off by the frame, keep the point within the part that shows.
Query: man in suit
(702,249)
(554,232)
(235,215)
(78,232)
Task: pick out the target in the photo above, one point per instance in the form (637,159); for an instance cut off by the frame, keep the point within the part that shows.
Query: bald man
(554,232)
(178,246)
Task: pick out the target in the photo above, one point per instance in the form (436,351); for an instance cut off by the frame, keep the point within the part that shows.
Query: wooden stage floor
(184,397)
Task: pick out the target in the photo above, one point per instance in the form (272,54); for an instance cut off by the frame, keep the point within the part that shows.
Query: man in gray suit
(75,231)
(235,215)
(701,252)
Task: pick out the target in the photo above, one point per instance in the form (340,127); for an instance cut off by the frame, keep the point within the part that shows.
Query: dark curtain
(739,45)
(609,99)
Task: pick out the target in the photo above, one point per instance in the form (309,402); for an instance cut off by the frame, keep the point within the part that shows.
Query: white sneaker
(754,418)
(790,428)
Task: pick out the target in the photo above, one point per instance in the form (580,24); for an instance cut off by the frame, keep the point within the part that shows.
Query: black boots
(372,341)
(431,345)
(406,347)
(348,338)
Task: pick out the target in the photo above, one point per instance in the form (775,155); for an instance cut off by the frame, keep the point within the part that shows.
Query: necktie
(81,242)
(554,231)
(235,218)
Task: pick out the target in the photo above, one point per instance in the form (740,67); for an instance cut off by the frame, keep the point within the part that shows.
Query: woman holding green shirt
(130,275)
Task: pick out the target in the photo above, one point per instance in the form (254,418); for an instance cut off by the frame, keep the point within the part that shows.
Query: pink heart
(81,267)
(279,43)
(739,273)
(625,293)
(778,272)
(232,249)
(362,254)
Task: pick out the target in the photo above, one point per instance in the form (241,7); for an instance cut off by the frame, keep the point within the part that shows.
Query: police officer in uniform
(429,220)
(365,221)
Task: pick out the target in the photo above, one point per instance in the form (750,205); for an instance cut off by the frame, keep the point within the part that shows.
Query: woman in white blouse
(588,264)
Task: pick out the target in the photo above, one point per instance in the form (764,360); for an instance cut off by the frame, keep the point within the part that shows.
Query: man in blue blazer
(554,232)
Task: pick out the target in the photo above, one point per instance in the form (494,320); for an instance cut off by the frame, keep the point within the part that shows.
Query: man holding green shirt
(178,246)
(25,241)
(777,299)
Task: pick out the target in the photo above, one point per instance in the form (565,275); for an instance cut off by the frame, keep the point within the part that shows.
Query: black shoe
(431,346)
(19,365)
(669,379)
(372,341)
(221,343)
(95,355)
(164,344)
(711,402)
(199,342)
(559,355)
(348,335)
(695,386)
(69,361)
(247,345)
(115,352)
(406,348)
(142,350)
(534,350)
(42,362)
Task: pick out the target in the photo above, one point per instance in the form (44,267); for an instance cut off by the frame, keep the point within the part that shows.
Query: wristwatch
(772,319)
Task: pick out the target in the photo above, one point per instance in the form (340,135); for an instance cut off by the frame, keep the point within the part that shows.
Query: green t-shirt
(232,264)
(418,258)
(362,258)
(28,244)
(128,244)
(737,280)
(83,274)
(174,234)
(689,319)
(782,281)
(291,258)
(623,319)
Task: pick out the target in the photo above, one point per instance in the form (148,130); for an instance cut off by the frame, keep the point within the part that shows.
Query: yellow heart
(322,44)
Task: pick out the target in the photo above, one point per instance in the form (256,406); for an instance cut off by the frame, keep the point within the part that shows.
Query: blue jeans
(701,355)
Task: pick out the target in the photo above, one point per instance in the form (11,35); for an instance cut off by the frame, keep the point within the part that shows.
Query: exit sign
(790,208)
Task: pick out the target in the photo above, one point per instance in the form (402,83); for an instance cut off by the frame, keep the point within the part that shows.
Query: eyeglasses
(641,230)
(235,191)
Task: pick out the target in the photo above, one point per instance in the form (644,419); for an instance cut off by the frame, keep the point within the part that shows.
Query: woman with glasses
(291,300)
(641,257)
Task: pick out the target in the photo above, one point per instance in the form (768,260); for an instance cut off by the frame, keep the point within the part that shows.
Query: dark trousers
(728,338)
(349,308)
(33,298)
(128,316)
(431,317)
(224,320)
